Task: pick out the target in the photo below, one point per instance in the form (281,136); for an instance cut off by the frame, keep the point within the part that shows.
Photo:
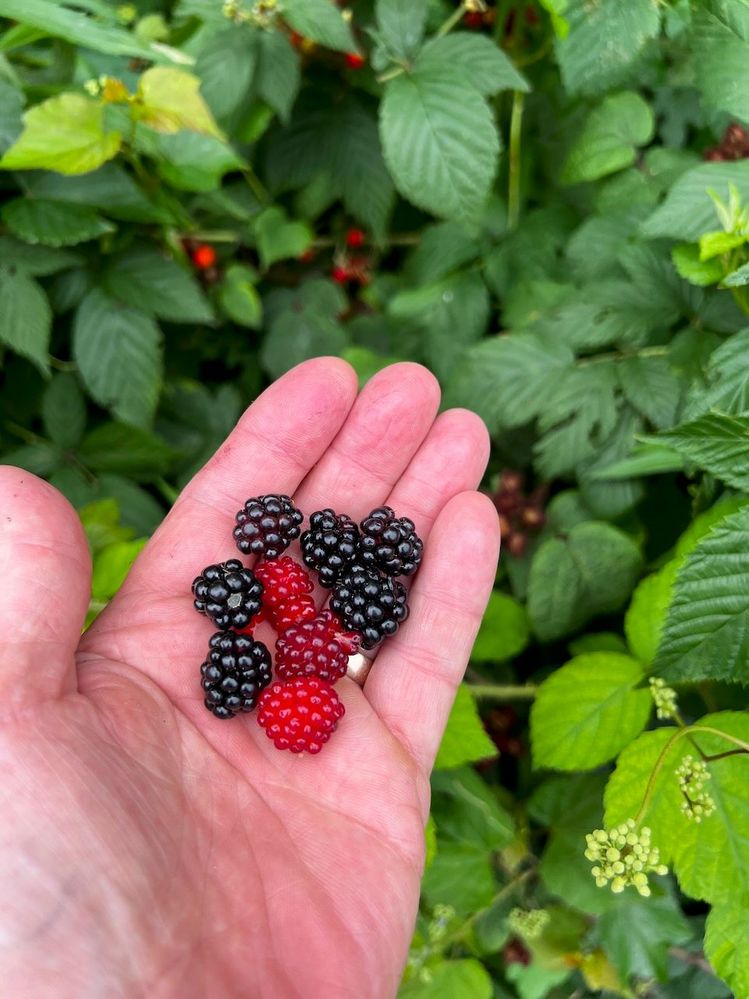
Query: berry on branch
(355,238)
(203,256)
(354,60)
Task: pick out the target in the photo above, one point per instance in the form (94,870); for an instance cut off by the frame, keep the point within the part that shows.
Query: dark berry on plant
(318,647)
(329,545)
(301,714)
(390,543)
(369,603)
(301,608)
(266,525)
(229,594)
(236,671)
(283,579)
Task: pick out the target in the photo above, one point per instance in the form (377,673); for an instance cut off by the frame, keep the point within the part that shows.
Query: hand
(148,849)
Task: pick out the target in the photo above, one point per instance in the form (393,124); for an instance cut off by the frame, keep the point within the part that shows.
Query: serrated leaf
(467,809)
(146,279)
(295,337)
(588,710)
(479,59)
(465,740)
(37,261)
(25,317)
(646,614)
(639,932)
(716,442)
(611,499)
(727,379)
(736,279)
(226,67)
(278,237)
(689,210)
(463,979)
(66,134)
(111,567)
(727,941)
(609,138)
(440,141)
(720,45)
(602,42)
(400,26)
(460,875)
(118,352)
(321,21)
(64,410)
(442,248)
(646,459)
(169,100)
(707,627)
(53,223)
(651,386)
(592,571)
(11,114)
(109,188)
(41,459)
(52,18)
(116,447)
(278,73)
(699,272)
(504,630)
(189,161)
(239,297)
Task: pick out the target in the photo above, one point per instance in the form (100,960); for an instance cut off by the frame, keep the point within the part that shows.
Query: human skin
(148,849)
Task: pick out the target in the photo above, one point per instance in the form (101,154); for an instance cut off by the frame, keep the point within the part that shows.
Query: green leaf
(296,337)
(64,410)
(196,422)
(464,979)
(321,21)
(736,279)
(146,279)
(66,133)
(41,459)
(112,565)
(720,45)
(109,188)
(603,42)
(118,352)
(101,522)
(651,386)
(465,740)
(466,809)
(587,711)
(52,18)
(25,317)
(638,933)
(707,628)
(715,244)
(478,58)
(592,571)
(461,876)
(36,261)
(116,447)
(278,238)
(646,615)
(689,210)
(727,941)
(440,140)
(442,248)
(401,26)
(716,442)
(646,459)
(727,379)
(169,100)
(239,297)
(611,499)
(504,630)
(11,115)
(506,379)
(609,138)
(53,223)
(226,67)
(277,77)
(189,161)
(687,262)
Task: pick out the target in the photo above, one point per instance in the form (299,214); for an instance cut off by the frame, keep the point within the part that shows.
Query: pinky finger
(414,678)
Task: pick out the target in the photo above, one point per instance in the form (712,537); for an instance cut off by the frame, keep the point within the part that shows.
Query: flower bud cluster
(692,776)
(528,923)
(623,856)
(664,698)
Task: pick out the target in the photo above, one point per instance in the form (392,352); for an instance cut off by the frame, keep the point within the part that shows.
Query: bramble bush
(546,202)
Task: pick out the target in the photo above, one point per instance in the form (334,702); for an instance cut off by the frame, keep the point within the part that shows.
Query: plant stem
(256,185)
(391,74)
(500,692)
(168,491)
(513,186)
(455,18)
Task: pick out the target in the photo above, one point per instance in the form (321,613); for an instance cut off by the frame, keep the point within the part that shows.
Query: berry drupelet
(329,545)
(236,671)
(369,603)
(229,594)
(318,647)
(300,715)
(283,580)
(266,525)
(390,543)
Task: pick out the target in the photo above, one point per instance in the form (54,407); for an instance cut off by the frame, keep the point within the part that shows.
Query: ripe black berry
(229,594)
(390,543)
(369,603)
(329,545)
(266,525)
(236,670)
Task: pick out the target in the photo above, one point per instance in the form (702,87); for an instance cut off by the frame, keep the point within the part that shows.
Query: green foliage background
(554,222)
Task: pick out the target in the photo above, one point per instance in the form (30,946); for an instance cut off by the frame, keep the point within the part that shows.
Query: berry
(236,670)
(229,594)
(203,256)
(300,608)
(340,275)
(329,545)
(307,256)
(300,715)
(473,19)
(266,525)
(283,579)
(318,647)
(369,603)
(354,60)
(355,238)
(390,543)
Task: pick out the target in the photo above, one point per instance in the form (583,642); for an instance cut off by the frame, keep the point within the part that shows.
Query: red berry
(340,275)
(299,715)
(203,256)
(284,580)
(296,39)
(308,256)
(300,608)
(318,647)
(355,237)
(354,60)
(257,619)
(515,952)
(531,16)
(473,19)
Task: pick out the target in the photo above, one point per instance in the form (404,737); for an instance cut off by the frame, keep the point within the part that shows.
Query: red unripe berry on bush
(473,19)
(203,256)
(308,256)
(296,39)
(355,238)
(354,60)
(340,275)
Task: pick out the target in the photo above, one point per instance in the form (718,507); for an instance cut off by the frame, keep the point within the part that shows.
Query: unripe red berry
(515,952)
(516,545)
(340,274)
(203,256)
(355,238)
(354,60)
(308,256)
(473,19)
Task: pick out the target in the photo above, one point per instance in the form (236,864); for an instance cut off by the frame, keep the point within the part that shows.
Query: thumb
(45,579)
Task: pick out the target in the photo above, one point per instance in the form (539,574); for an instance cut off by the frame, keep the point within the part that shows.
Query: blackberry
(390,543)
(266,525)
(236,671)
(329,545)
(229,594)
(317,647)
(369,603)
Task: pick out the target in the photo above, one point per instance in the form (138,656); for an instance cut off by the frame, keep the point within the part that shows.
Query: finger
(46,572)
(388,422)
(414,678)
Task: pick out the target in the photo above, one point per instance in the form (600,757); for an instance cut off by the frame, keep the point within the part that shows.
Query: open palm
(148,849)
